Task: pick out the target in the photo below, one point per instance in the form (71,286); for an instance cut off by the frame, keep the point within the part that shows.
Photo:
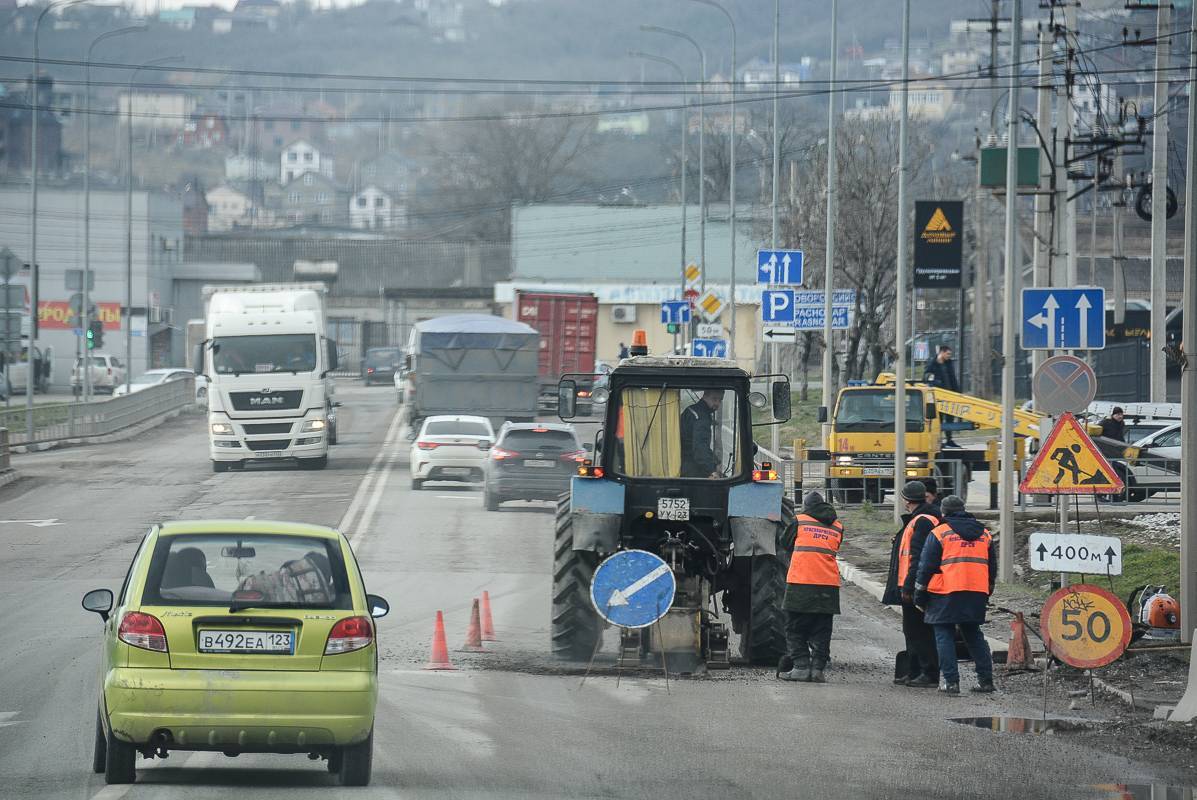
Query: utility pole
(773,360)
(1041,265)
(1159,205)
(1188,379)
(829,255)
(900,280)
(1010,285)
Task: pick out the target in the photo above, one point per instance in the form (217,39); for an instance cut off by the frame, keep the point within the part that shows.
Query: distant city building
(313,198)
(228,208)
(928,100)
(372,208)
(388,170)
(247,168)
(156,111)
(16,132)
(204,130)
(758,74)
(301,157)
(195,207)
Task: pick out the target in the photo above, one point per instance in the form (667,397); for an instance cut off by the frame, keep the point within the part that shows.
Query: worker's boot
(800,673)
(984,686)
(923,681)
(949,687)
(816,674)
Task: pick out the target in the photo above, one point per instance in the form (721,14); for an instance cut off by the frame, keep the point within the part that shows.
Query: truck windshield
(671,432)
(283,352)
(872,411)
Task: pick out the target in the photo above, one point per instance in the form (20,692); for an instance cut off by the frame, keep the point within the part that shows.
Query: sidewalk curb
(8,476)
(854,574)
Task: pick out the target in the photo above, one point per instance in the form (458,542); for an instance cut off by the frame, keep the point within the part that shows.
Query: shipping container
(568,326)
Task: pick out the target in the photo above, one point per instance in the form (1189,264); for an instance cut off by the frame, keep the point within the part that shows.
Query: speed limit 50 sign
(1085,626)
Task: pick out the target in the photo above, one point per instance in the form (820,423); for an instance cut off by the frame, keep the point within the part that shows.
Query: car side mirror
(567,399)
(822,416)
(99,601)
(379,607)
(930,412)
(781,401)
(331,348)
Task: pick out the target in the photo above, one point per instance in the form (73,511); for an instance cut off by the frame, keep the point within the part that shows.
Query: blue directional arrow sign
(632,589)
(1064,319)
(675,312)
(709,348)
(779,267)
(777,305)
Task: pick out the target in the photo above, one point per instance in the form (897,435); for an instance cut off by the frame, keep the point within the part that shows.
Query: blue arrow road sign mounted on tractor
(632,589)
(1064,319)
(779,267)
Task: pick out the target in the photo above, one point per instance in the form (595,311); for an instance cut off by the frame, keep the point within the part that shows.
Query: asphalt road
(510,723)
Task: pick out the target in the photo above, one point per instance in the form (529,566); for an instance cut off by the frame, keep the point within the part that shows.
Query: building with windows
(313,199)
(302,156)
(372,208)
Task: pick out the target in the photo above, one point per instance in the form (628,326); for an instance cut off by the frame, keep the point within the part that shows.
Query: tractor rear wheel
(765,640)
(576,627)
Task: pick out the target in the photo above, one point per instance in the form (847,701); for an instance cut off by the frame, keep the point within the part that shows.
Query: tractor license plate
(884,472)
(673,508)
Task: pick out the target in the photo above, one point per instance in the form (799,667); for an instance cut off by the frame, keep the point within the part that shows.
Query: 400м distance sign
(632,589)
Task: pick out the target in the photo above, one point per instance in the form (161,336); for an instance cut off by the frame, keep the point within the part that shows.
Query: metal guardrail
(60,421)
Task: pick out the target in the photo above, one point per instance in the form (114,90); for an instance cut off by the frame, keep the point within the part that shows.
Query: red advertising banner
(56,315)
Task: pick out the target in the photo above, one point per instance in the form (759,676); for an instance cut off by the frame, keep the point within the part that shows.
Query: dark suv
(381,363)
(531,461)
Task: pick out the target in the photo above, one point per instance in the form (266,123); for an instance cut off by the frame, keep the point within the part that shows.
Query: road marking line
(364,487)
(367,518)
(6,718)
(112,792)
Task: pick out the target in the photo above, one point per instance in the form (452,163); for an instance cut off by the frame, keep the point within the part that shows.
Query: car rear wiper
(245,604)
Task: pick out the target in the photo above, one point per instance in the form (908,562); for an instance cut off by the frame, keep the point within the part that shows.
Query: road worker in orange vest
(955,579)
(920,667)
(812,597)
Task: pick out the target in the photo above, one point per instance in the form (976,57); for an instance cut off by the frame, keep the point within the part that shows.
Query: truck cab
(268,365)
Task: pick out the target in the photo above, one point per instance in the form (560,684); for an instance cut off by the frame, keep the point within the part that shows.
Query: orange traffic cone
(440,648)
(473,642)
(488,622)
(1019,654)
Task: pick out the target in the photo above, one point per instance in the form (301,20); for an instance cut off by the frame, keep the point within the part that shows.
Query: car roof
(456,418)
(538,426)
(255,526)
(1164,429)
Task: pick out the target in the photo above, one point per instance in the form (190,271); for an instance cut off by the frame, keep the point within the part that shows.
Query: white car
(107,373)
(1158,467)
(450,448)
(152,377)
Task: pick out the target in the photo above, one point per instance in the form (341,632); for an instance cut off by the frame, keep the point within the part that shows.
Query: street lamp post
(685,120)
(702,126)
(85,311)
(731,190)
(129,220)
(34,277)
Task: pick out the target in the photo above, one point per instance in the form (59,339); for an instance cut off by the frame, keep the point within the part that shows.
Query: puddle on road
(1023,724)
(1145,791)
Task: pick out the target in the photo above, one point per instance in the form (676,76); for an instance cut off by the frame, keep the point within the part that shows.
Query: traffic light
(672,327)
(95,334)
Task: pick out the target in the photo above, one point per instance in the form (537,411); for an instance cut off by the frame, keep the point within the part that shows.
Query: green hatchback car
(239,637)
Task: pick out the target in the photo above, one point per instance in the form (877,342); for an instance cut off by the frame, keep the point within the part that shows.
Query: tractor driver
(700,437)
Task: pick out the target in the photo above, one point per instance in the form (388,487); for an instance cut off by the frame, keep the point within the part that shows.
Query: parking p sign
(777,305)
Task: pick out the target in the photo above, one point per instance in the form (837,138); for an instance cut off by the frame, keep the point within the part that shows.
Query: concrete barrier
(1186,709)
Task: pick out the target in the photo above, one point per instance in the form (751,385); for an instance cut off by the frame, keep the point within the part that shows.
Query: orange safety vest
(964,565)
(815,546)
(904,547)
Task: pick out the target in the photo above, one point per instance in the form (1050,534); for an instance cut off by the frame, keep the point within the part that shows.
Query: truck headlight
(843,461)
(313,425)
(222,429)
(912,459)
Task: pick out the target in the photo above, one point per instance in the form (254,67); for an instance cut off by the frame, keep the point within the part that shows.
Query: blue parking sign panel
(777,305)
(709,348)
(779,267)
(632,589)
(1064,319)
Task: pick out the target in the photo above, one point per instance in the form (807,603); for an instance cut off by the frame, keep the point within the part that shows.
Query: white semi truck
(268,365)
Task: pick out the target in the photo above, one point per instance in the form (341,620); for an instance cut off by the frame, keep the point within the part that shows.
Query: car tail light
(499,454)
(142,630)
(427,445)
(577,455)
(765,473)
(349,634)
(369,370)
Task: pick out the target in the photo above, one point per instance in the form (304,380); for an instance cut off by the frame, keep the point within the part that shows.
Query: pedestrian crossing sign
(1069,463)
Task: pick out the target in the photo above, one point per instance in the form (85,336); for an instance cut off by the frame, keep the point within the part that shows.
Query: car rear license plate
(213,641)
(455,471)
(673,508)
(269,454)
(880,471)
(540,463)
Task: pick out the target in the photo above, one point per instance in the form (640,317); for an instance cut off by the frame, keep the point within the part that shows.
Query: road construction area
(510,722)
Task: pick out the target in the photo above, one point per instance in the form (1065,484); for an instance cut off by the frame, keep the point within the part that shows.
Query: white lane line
(6,718)
(364,487)
(112,792)
(367,518)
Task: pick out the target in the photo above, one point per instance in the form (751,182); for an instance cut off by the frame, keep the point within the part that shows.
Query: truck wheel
(765,640)
(575,625)
(332,433)
(221,466)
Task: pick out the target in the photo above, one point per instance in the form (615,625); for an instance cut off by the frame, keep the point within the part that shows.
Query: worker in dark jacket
(932,496)
(812,597)
(956,572)
(922,662)
(700,450)
(941,372)
(1114,426)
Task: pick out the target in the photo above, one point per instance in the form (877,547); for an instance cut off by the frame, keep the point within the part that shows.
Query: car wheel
(99,752)
(334,760)
(416,484)
(221,466)
(120,761)
(489,500)
(357,761)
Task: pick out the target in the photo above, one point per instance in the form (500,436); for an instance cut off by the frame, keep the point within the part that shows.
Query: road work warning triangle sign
(1069,463)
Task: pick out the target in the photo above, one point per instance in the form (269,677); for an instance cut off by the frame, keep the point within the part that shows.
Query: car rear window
(456,428)
(382,356)
(221,568)
(548,439)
